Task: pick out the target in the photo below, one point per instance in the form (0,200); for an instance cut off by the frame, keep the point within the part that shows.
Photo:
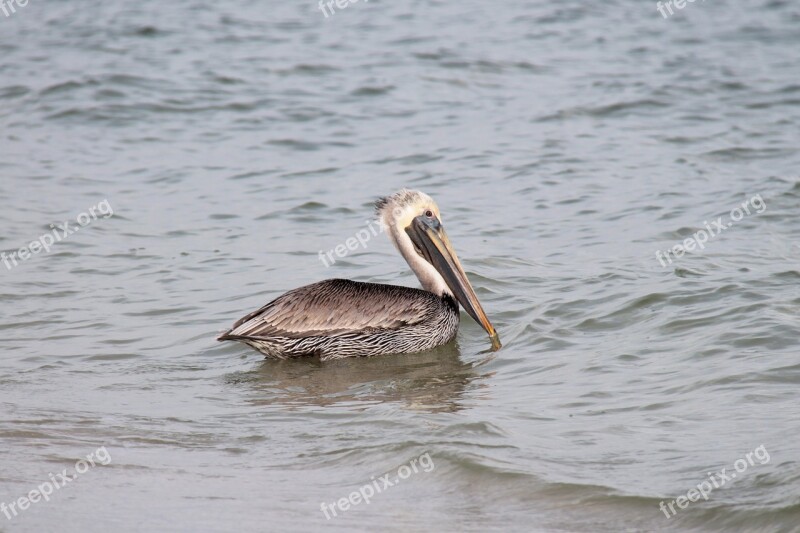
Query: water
(566,143)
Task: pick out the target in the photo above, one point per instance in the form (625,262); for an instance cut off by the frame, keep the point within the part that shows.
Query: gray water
(565,142)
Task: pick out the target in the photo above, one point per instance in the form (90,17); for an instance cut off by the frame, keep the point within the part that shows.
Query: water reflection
(432,381)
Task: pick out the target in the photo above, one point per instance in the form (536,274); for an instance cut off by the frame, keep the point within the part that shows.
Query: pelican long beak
(432,242)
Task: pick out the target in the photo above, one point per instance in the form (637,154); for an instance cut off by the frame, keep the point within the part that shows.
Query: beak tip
(495,338)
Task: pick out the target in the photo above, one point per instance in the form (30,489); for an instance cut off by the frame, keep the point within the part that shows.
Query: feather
(334,307)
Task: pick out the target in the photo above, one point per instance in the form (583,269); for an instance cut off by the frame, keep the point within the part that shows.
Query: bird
(339,318)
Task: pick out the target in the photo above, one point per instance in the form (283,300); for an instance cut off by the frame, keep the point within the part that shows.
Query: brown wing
(336,306)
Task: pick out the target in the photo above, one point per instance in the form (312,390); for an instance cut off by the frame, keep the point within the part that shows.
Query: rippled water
(566,143)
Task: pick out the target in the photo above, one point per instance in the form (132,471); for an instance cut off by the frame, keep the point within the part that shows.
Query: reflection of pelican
(434,381)
(340,318)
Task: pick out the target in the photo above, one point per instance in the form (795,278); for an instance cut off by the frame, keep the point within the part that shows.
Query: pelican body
(339,318)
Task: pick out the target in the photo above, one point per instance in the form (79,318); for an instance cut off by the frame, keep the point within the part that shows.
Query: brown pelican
(340,318)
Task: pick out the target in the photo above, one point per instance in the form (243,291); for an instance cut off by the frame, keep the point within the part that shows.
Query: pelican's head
(414,225)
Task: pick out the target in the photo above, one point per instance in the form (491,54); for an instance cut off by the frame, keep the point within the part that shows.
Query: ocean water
(202,156)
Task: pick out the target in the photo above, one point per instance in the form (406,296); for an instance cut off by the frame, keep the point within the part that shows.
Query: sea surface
(203,154)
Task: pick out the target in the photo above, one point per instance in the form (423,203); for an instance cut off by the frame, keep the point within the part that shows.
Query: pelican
(339,318)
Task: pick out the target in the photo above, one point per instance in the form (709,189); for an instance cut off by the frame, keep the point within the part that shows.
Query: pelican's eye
(429,213)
